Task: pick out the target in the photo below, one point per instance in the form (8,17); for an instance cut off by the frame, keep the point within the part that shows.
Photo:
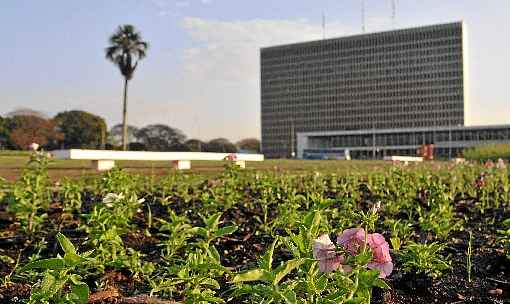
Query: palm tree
(125,50)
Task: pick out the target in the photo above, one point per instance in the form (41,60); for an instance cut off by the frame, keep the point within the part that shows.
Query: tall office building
(401,79)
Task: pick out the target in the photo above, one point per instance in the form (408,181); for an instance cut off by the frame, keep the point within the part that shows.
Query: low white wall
(153,156)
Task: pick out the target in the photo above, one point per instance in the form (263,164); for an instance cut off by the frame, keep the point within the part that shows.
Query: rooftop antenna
(393,12)
(363,16)
(323,25)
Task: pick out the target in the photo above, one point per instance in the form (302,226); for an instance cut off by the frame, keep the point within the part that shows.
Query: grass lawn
(12,166)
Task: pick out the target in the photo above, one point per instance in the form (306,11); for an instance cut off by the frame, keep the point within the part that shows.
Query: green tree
(116,132)
(222,145)
(5,142)
(159,137)
(249,144)
(81,129)
(126,49)
(195,145)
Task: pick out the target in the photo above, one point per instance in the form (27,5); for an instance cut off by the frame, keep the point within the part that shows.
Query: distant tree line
(80,129)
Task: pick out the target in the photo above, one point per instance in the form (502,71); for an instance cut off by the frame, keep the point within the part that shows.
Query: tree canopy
(81,129)
(126,49)
(160,137)
(249,144)
(195,145)
(115,135)
(220,145)
(25,130)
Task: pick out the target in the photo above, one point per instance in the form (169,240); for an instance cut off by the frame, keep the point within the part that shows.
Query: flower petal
(385,269)
(323,247)
(330,264)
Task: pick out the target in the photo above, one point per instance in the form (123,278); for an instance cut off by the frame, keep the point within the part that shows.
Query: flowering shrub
(352,242)
(342,273)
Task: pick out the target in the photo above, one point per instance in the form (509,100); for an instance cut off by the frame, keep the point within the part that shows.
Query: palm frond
(126,49)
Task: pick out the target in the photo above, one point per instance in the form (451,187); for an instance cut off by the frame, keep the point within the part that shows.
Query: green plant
(60,283)
(211,232)
(469,262)
(30,196)
(486,152)
(272,289)
(401,232)
(505,237)
(352,283)
(195,280)
(6,280)
(106,224)
(425,258)
(71,195)
(176,232)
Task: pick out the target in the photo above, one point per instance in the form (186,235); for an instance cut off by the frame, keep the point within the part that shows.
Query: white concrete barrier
(404,159)
(105,159)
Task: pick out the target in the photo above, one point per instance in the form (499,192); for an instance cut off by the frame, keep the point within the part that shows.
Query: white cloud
(220,74)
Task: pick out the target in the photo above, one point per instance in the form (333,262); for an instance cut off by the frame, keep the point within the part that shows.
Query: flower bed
(399,236)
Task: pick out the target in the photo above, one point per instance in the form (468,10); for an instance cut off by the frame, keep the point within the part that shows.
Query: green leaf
(300,241)
(355,301)
(224,231)
(200,231)
(321,283)
(507,222)
(72,259)
(46,289)
(81,292)
(49,264)
(210,266)
(381,284)
(7,259)
(286,268)
(213,221)
(210,282)
(395,243)
(315,225)
(253,275)
(266,262)
(367,278)
(66,245)
(309,219)
(363,258)
(213,253)
(289,296)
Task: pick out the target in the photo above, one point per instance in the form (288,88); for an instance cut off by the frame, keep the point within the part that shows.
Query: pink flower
(352,240)
(489,164)
(33,146)
(381,255)
(324,251)
(231,157)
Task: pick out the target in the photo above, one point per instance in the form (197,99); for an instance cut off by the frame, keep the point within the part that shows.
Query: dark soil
(490,273)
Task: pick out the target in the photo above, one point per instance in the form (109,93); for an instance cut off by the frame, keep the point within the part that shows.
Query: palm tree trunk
(124,117)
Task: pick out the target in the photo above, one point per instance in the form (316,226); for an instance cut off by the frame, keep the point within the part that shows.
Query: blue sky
(201,74)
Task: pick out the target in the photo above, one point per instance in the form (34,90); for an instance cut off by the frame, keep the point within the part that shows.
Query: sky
(201,74)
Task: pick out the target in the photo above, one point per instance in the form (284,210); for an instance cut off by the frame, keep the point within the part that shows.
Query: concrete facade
(410,78)
(376,144)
